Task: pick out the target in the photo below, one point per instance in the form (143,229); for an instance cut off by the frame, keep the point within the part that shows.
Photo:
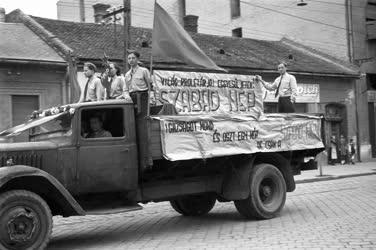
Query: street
(333,214)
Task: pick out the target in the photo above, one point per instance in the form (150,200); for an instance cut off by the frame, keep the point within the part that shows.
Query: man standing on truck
(286,89)
(93,90)
(137,82)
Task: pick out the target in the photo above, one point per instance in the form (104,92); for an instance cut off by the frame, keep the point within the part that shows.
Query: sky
(42,8)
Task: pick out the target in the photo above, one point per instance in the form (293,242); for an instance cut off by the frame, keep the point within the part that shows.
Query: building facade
(31,75)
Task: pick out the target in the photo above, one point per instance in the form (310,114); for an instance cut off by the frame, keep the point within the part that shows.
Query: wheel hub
(21,225)
(267,191)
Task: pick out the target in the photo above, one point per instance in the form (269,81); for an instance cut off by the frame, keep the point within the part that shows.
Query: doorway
(22,108)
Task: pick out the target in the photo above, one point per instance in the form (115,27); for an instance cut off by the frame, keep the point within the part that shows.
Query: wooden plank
(371,12)
(371,30)
(155,146)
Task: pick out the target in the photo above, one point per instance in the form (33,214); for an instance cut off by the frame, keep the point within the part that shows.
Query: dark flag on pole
(170,39)
(74,86)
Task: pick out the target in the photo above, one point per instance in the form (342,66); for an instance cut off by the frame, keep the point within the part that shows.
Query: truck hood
(22,146)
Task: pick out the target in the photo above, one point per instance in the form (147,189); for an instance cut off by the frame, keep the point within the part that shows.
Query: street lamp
(301,3)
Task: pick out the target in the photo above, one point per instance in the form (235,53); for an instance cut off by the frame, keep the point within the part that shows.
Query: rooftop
(20,43)
(89,41)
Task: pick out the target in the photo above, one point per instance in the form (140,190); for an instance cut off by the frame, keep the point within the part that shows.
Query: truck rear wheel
(194,205)
(267,193)
(25,220)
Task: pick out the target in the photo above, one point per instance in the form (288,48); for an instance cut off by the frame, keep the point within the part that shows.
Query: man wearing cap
(286,89)
(93,90)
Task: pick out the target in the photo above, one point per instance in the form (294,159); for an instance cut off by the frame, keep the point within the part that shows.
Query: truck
(64,169)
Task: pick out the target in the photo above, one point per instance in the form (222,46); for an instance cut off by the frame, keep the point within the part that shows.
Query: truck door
(107,152)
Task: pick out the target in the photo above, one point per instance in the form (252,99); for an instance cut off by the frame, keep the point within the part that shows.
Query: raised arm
(268,86)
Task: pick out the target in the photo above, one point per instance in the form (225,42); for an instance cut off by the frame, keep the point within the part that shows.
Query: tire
(267,193)
(194,205)
(25,221)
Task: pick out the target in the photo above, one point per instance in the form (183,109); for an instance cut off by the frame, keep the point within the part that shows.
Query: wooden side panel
(371,30)
(155,140)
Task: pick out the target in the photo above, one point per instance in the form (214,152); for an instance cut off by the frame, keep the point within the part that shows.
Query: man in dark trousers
(137,84)
(286,89)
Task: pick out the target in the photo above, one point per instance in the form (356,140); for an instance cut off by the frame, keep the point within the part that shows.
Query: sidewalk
(337,172)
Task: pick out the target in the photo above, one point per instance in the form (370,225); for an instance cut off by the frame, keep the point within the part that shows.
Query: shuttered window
(235,8)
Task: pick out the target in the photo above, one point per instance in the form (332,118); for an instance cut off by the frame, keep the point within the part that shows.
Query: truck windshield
(43,128)
(61,126)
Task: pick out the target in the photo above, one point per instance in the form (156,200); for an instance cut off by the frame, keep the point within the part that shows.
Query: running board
(113,210)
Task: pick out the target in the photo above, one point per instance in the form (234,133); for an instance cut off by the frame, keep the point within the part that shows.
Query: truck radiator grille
(33,160)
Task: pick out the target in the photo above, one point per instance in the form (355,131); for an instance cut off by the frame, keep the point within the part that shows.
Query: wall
(363,49)
(30,80)
(261,19)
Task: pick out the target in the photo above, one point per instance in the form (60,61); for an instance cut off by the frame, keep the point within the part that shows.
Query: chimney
(100,9)
(190,23)
(2,15)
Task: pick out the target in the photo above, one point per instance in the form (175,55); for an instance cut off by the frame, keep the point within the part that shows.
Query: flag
(74,86)
(171,40)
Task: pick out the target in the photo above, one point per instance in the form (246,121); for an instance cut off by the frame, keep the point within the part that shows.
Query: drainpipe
(349,31)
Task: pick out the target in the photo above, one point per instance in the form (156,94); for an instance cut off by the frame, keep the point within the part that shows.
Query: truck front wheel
(267,193)
(194,205)
(25,220)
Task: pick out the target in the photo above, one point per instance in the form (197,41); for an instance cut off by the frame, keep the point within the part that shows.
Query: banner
(215,93)
(306,93)
(206,136)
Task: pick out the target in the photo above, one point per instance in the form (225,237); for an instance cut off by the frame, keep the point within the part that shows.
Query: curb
(333,177)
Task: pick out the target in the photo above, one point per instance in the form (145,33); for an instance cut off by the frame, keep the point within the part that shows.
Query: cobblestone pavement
(334,214)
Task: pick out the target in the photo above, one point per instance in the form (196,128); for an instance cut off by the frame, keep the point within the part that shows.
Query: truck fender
(60,201)
(235,185)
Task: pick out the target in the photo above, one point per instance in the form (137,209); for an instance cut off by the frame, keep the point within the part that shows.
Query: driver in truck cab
(96,128)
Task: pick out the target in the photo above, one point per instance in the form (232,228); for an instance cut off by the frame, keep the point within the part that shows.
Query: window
(102,123)
(235,8)
(371,81)
(237,32)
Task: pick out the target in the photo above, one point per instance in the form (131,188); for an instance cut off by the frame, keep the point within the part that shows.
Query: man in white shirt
(93,90)
(286,89)
(137,83)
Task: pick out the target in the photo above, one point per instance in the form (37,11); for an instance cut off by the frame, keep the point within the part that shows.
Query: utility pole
(127,24)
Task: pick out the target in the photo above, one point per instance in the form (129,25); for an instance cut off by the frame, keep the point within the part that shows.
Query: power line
(339,4)
(302,18)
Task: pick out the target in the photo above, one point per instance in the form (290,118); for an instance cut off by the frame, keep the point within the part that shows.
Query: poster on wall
(206,136)
(203,93)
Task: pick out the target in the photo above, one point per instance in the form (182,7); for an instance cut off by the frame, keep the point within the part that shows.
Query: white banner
(306,93)
(206,136)
(203,93)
